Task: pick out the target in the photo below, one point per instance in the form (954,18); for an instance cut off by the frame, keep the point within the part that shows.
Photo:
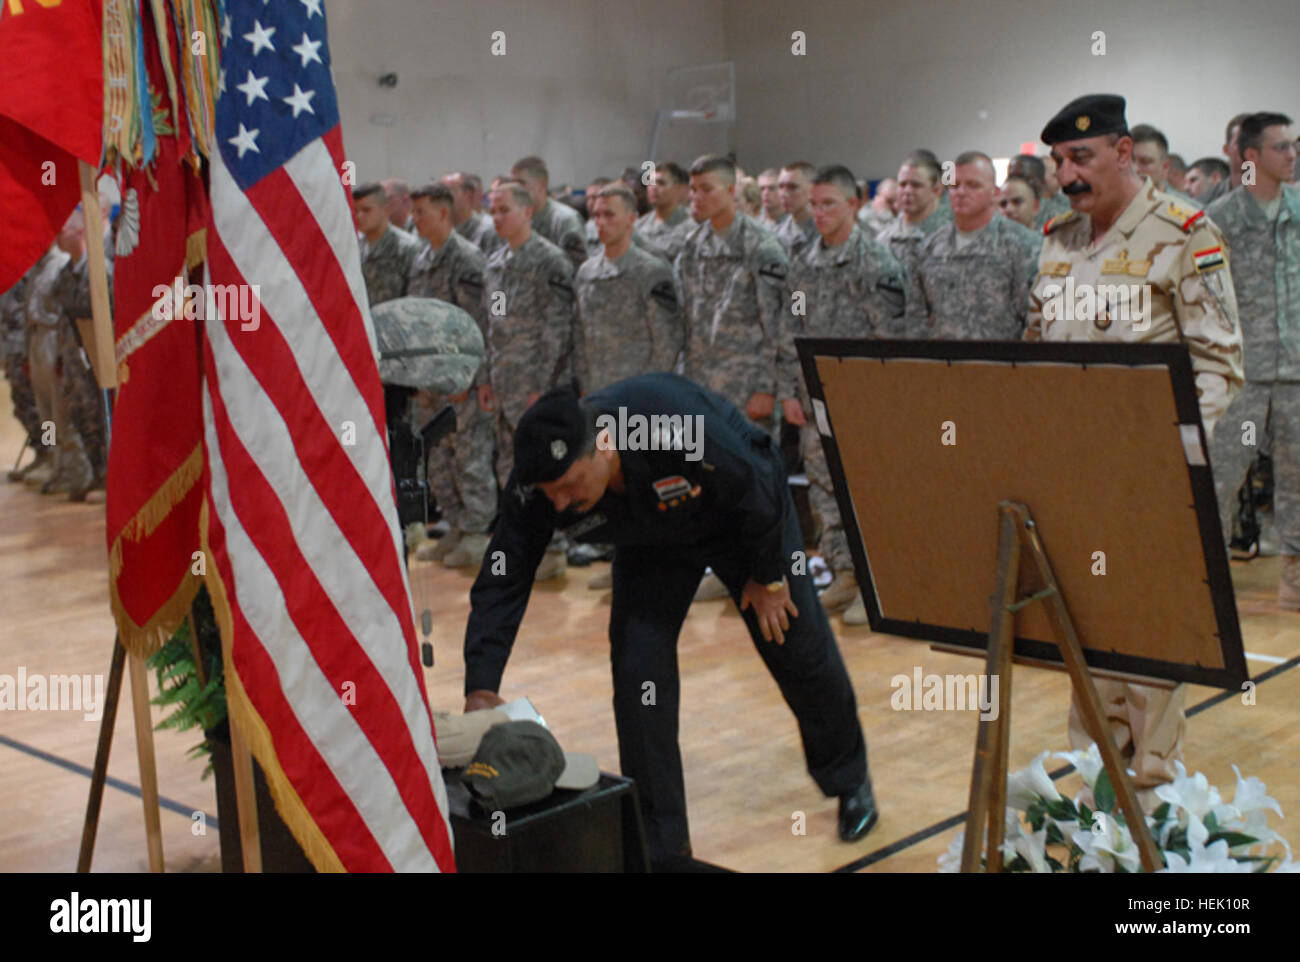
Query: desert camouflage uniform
(1266,274)
(460,467)
(42,312)
(904,239)
(1155,241)
(83,456)
(666,236)
(978,291)
(386,266)
(853,290)
(478,230)
(735,300)
(562,226)
(530,332)
(794,236)
(13,341)
(628,321)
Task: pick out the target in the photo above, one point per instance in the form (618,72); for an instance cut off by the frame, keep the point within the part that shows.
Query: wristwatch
(775,586)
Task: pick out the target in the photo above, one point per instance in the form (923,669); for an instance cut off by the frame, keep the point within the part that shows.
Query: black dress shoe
(858,813)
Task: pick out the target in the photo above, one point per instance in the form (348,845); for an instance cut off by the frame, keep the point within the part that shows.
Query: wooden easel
(988,789)
(99,348)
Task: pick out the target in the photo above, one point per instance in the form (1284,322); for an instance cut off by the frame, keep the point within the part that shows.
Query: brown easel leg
(988,787)
(1090,704)
(148,764)
(99,773)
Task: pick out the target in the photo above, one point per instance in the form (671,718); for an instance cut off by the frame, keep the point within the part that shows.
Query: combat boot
(856,614)
(43,458)
(59,484)
(40,473)
(1288,587)
(841,592)
(469,551)
(437,550)
(553,565)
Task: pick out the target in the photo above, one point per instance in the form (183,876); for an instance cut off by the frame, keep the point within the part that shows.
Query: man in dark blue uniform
(676,478)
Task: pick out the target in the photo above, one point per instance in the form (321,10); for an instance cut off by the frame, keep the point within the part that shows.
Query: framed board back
(1104,445)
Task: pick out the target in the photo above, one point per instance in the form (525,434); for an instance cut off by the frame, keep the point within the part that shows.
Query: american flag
(301,523)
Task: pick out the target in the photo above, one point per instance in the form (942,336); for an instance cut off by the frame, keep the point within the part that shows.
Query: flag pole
(101,344)
(101,355)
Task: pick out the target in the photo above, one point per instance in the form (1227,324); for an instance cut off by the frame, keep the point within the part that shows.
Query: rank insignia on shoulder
(1058,220)
(671,487)
(1210,259)
(1055,269)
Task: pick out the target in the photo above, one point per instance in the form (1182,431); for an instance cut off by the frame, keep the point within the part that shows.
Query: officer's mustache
(1076,187)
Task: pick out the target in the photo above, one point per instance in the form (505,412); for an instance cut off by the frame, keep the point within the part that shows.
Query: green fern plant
(192,702)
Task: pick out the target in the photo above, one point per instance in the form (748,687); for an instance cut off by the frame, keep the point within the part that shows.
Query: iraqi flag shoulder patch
(672,487)
(1210,259)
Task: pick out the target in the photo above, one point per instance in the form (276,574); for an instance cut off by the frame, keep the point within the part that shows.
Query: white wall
(579,83)
(880,78)
(581,79)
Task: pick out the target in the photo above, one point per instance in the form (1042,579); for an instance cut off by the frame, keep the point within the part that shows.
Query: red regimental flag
(51,115)
(155,463)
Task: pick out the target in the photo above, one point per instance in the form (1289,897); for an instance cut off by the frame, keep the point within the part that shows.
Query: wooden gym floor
(745,774)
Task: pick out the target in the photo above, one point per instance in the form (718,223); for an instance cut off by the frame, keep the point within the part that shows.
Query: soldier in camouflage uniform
(386,252)
(557,223)
(528,296)
(82,452)
(42,315)
(970,279)
(450,269)
(665,226)
(1036,171)
(1261,224)
(467,212)
(852,286)
(628,321)
(589,233)
(13,342)
(1123,231)
(798,230)
(919,211)
(735,301)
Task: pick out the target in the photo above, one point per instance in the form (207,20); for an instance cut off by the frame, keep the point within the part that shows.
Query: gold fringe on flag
(242,713)
(145,639)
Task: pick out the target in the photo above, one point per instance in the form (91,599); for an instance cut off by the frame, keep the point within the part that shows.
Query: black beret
(550,436)
(1089,116)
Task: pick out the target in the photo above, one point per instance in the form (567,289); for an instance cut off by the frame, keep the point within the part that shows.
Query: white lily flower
(1289,867)
(1033,847)
(950,861)
(1032,780)
(1212,859)
(1108,847)
(1087,763)
(1196,799)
